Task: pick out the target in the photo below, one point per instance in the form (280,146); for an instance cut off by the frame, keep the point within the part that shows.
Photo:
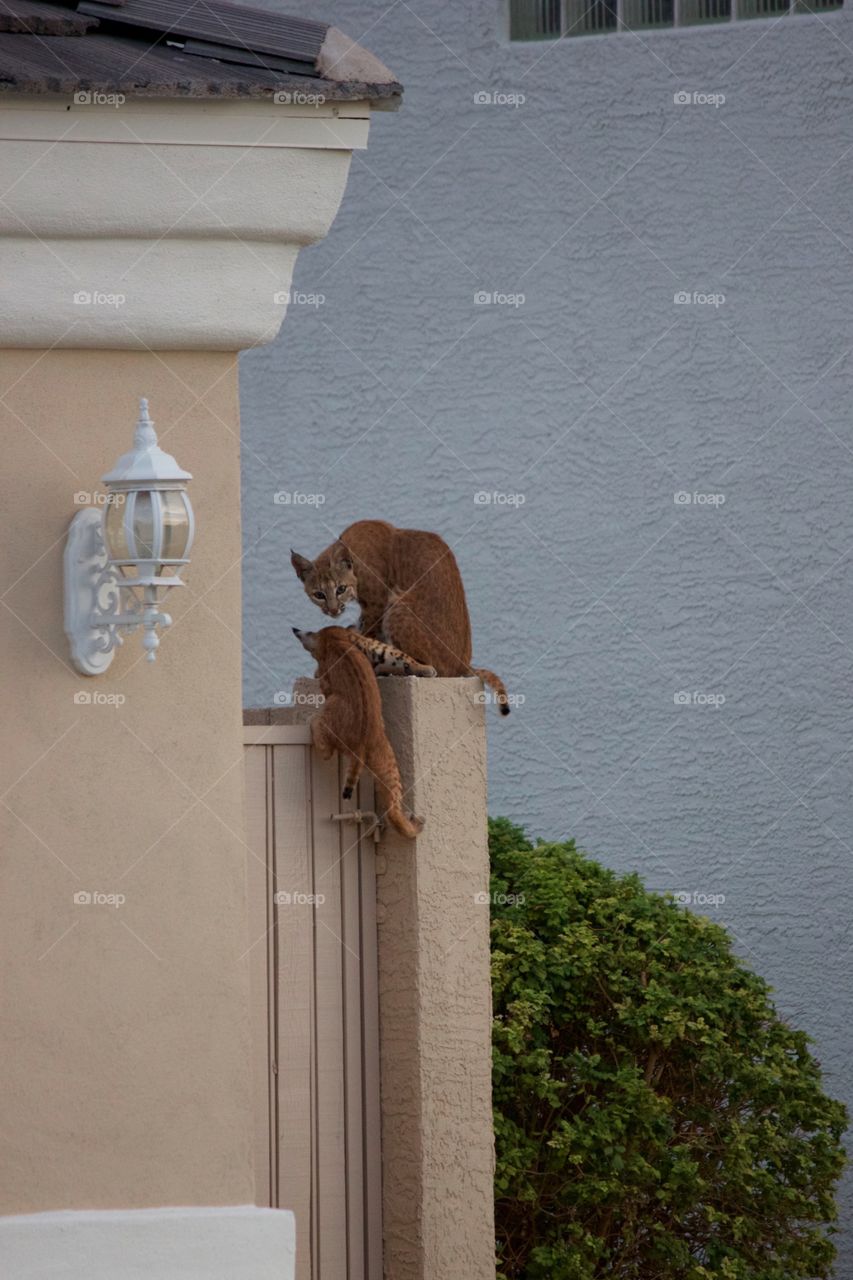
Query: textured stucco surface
(598,399)
(125,1050)
(434,997)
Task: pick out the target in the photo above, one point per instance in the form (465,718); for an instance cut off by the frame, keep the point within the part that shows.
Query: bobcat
(388,661)
(351,719)
(410,591)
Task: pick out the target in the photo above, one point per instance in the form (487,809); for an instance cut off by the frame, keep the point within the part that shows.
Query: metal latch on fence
(361,817)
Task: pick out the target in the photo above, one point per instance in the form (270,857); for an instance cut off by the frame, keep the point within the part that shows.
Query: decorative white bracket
(94,621)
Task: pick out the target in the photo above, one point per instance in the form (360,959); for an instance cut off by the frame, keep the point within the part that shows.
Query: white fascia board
(162,225)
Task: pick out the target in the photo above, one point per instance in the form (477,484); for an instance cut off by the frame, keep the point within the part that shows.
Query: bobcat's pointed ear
(308,639)
(300,564)
(343,559)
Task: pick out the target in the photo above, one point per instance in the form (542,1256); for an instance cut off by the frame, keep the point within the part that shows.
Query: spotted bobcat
(388,661)
(408,585)
(350,722)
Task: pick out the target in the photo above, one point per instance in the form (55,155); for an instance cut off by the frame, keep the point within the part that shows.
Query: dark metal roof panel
(32,18)
(221,23)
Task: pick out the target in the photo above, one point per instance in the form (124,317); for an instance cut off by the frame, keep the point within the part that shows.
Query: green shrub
(655,1118)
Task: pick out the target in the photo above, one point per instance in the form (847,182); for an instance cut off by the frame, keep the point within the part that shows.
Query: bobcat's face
(330,586)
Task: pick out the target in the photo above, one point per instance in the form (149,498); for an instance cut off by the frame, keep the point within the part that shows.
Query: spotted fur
(388,661)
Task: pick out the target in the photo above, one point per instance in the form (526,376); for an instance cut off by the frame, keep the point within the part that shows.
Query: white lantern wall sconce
(121,557)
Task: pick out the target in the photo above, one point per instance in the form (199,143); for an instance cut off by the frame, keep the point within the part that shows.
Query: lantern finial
(144,437)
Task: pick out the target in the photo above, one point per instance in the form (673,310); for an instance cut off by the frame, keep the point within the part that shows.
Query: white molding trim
(329,125)
(160,1244)
(179,220)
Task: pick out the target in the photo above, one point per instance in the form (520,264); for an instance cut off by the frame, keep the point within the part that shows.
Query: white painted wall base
(157,1244)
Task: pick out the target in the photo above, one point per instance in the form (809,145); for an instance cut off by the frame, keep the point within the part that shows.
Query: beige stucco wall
(125,1050)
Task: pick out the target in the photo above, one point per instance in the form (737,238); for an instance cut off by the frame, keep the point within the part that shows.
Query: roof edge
(342,61)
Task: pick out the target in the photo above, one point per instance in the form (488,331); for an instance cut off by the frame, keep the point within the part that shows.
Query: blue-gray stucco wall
(600,598)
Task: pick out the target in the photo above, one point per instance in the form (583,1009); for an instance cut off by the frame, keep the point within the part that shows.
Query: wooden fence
(312,914)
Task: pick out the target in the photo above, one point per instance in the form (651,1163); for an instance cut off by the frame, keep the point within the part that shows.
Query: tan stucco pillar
(125,1051)
(434,992)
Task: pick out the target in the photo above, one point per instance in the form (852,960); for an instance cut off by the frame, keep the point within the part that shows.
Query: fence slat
(260,948)
(295,1003)
(372,1149)
(329,1043)
(353,1065)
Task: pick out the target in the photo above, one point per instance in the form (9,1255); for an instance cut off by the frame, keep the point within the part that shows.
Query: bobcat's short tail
(407,824)
(489,677)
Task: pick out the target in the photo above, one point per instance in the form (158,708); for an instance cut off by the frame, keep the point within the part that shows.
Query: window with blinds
(551,19)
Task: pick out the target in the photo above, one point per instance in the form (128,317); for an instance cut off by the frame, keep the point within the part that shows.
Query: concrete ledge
(157,1244)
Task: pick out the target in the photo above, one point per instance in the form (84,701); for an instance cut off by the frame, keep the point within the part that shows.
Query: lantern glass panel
(114,531)
(143,526)
(176,524)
